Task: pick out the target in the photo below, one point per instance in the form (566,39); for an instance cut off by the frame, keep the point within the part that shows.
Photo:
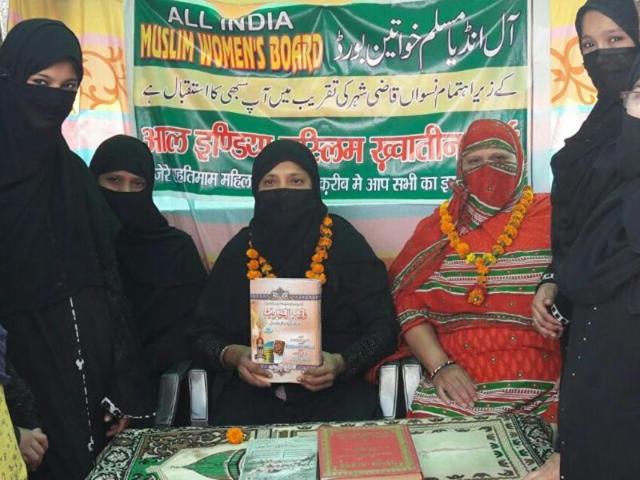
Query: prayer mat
(489,448)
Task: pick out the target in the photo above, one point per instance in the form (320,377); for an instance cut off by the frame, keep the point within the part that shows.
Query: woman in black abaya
(600,394)
(609,34)
(358,321)
(60,297)
(161,272)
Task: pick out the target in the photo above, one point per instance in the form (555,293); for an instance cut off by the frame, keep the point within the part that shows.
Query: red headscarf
(478,195)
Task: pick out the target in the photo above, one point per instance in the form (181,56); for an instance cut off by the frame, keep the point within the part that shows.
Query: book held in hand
(285,326)
(367,453)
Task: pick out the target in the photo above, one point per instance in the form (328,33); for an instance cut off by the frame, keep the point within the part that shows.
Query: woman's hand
(323,376)
(33,445)
(549,471)
(116,426)
(543,321)
(454,385)
(239,357)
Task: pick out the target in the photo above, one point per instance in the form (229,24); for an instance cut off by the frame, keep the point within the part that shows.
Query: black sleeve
(21,402)
(222,307)
(363,279)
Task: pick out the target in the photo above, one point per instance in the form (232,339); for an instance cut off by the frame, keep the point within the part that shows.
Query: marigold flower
(235,435)
(327,221)
(325,242)
(511,231)
(482,279)
(505,240)
(262,260)
(326,231)
(521,209)
(462,249)
(253,265)
(476,296)
(252,253)
(319,256)
(497,250)
(515,222)
(323,278)
(266,268)
(470,258)
(271,275)
(253,274)
(309,274)
(489,259)
(482,269)
(447,227)
(317,268)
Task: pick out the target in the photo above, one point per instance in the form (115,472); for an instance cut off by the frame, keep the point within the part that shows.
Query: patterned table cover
(472,448)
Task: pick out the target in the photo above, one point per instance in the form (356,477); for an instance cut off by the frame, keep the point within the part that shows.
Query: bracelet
(221,357)
(440,367)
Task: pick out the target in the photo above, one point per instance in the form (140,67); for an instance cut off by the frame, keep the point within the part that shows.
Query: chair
(397,385)
(172,391)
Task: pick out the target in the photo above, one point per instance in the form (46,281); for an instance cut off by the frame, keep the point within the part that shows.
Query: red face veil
(491,166)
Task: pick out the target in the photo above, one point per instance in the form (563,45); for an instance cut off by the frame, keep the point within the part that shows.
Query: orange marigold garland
(235,435)
(483,261)
(259,267)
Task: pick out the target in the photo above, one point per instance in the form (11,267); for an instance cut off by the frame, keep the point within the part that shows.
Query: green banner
(380,92)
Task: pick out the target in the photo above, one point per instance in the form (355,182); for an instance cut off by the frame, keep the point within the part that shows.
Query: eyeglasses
(631,96)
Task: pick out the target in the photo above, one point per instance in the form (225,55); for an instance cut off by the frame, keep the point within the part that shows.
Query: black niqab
(582,171)
(54,227)
(606,253)
(149,251)
(286,223)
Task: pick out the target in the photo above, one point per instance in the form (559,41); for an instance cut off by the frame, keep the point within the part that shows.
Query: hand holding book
(323,376)
(239,357)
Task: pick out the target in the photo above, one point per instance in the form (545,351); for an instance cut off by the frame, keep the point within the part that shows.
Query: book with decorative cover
(367,453)
(285,326)
(281,459)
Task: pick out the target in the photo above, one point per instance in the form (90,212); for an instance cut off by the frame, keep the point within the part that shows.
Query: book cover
(367,453)
(285,326)
(281,459)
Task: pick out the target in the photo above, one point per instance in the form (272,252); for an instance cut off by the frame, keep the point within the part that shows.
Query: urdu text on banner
(380,92)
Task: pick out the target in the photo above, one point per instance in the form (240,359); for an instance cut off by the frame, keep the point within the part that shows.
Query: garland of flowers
(483,261)
(259,267)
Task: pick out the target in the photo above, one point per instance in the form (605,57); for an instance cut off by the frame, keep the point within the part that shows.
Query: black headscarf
(54,228)
(582,172)
(606,253)
(149,251)
(357,311)
(286,222)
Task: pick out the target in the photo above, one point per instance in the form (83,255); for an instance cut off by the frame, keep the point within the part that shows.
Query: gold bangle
(440,367)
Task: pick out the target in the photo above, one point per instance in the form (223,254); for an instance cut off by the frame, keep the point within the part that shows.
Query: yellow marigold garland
(483,261)
(259,267)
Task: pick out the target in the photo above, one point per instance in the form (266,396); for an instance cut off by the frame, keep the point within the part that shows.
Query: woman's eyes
(113,179)
(140,183)
(71,86)
(587,44)
(40,82)
(297,180)
(615,38)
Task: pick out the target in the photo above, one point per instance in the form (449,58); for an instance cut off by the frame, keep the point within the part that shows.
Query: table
(487,448)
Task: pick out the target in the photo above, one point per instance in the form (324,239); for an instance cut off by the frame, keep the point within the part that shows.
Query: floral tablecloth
(487,448)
